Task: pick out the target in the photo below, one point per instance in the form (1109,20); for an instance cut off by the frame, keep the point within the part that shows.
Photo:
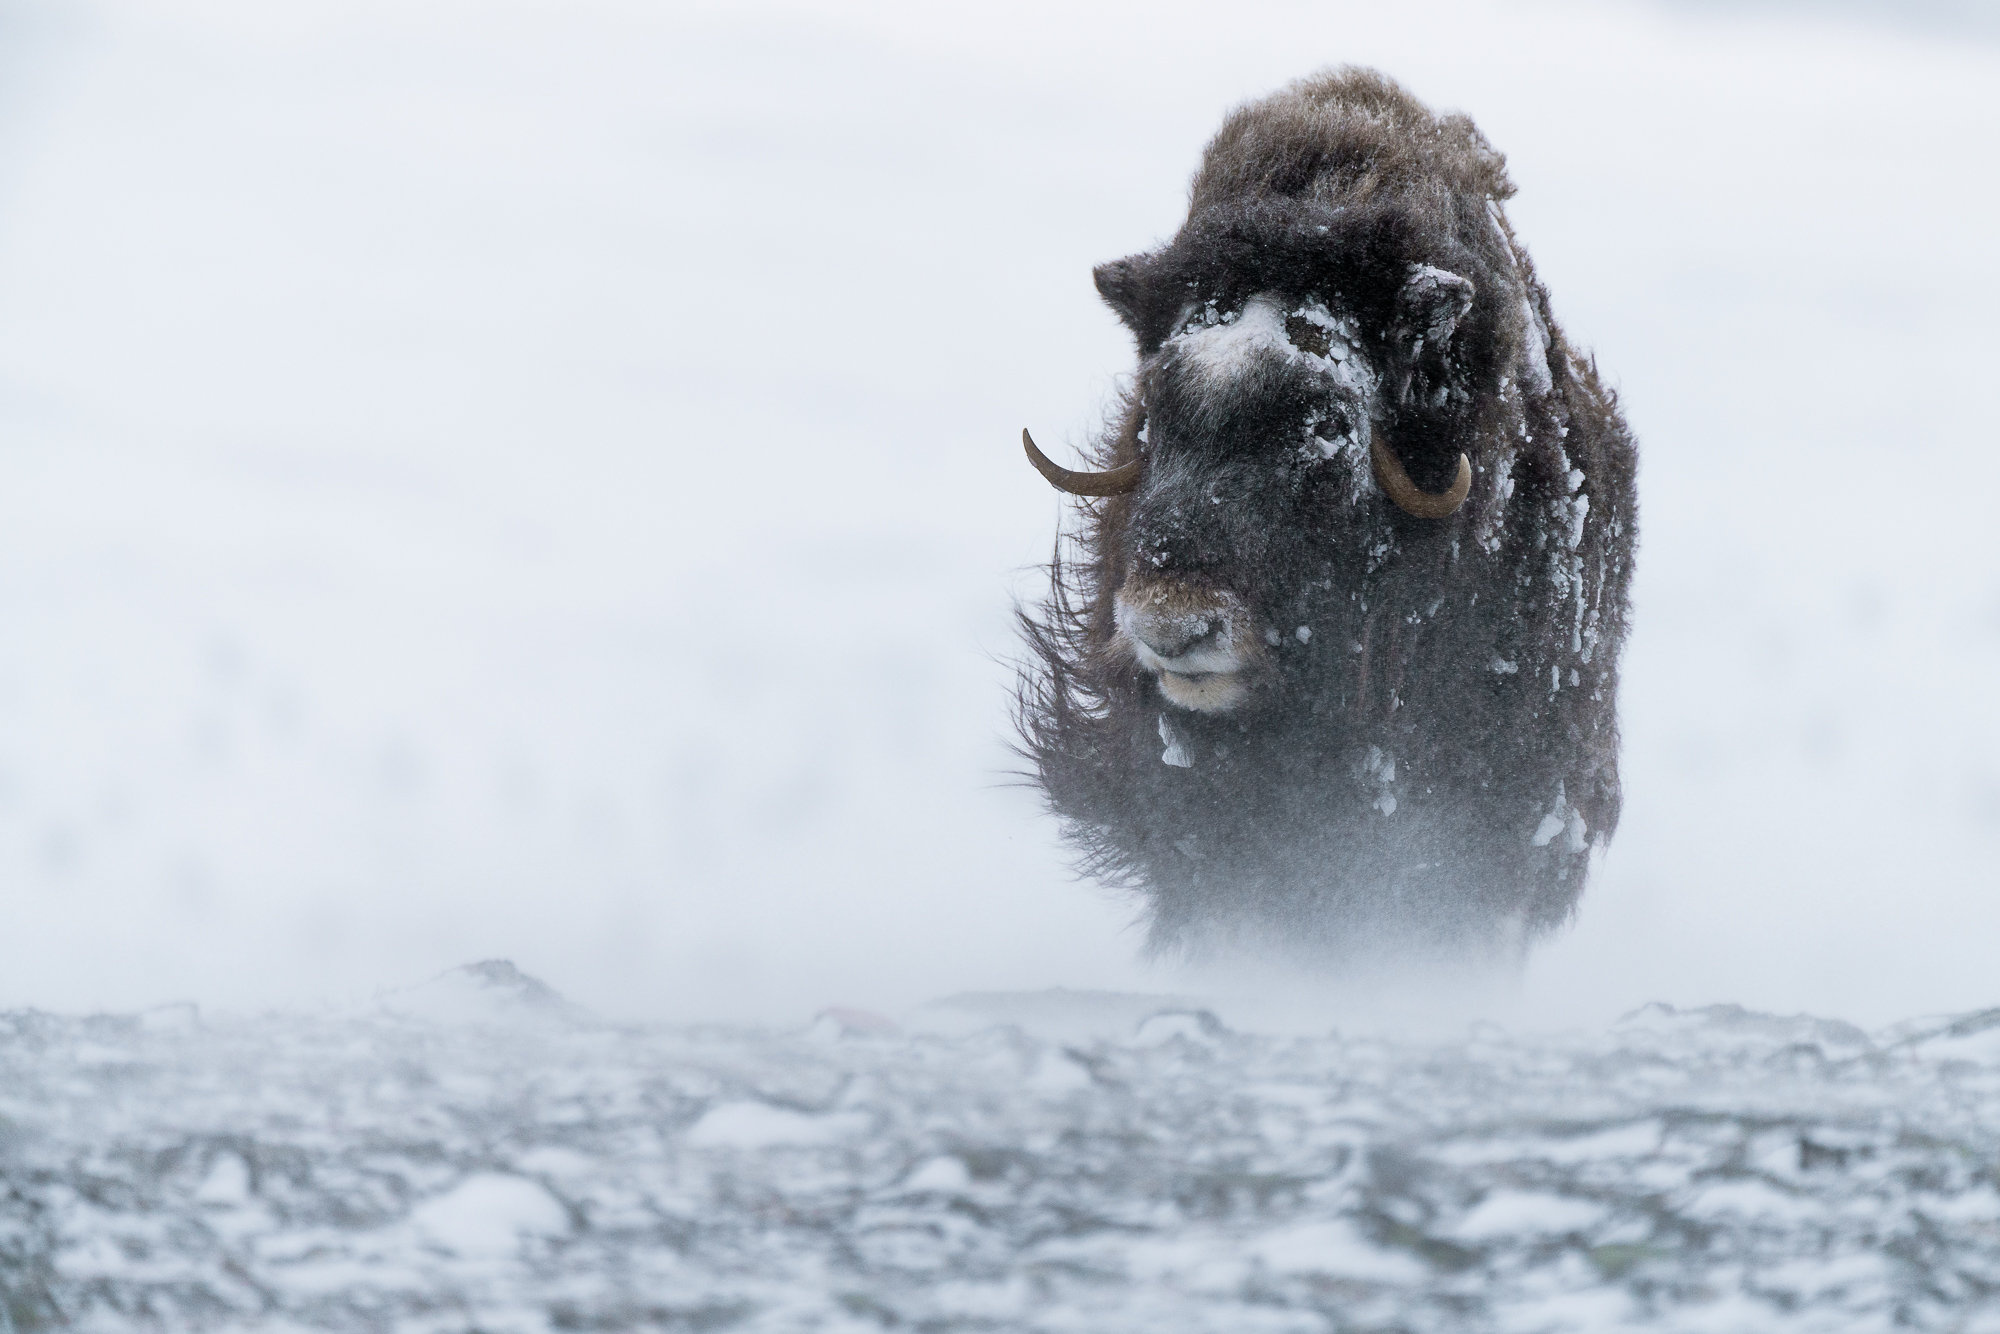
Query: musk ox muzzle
(1200,643)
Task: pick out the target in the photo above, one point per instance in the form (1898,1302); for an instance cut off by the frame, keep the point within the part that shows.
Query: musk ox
(1331,660)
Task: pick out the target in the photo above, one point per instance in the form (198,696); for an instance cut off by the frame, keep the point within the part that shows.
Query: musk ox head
(1267,445)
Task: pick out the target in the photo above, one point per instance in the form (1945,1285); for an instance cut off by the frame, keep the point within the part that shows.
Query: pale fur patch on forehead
(1225,349)
(1221,346)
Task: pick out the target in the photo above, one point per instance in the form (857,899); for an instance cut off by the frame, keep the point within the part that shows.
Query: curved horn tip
(1114,482)
(1408,497)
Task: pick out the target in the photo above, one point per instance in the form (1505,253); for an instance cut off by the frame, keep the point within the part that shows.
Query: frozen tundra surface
(480,1155)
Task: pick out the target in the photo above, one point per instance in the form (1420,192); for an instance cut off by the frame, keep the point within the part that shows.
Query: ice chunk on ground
(227,1183)
(488,1214)
(754,1125)
(939,1174)
(1336,1248)
(1510,1213)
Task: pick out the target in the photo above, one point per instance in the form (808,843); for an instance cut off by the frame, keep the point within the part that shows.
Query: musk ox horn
(1115,482)
(1396,483)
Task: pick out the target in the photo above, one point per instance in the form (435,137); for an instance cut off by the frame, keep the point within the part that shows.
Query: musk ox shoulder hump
(1342,137)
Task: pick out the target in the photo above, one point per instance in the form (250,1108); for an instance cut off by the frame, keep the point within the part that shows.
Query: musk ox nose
(1174,636)
(1171,628)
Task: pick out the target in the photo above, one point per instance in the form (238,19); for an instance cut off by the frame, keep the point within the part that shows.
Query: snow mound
(488,1214)
(1055,1161)
(754,1125)
(492,991)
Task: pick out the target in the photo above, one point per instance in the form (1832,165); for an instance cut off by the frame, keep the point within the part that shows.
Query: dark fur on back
(1434,754)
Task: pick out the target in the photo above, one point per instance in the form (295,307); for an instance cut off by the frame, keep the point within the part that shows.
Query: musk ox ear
(1121,282)
(1429,306)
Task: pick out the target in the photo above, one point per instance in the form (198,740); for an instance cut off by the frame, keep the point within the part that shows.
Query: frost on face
(1227,345)
(1329,342)
(1316,330)
(1222,346)
(1224,343)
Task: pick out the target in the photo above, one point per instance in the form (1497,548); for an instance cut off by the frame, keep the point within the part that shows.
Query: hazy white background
(540,480)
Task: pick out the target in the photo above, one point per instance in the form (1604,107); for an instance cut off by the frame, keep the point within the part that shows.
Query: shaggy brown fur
(1430,749)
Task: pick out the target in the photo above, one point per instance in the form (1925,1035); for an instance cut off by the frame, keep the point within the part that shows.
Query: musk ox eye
(1205,316)
(1307,336)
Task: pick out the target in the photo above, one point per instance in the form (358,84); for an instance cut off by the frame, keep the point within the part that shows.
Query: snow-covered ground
(477,1154)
